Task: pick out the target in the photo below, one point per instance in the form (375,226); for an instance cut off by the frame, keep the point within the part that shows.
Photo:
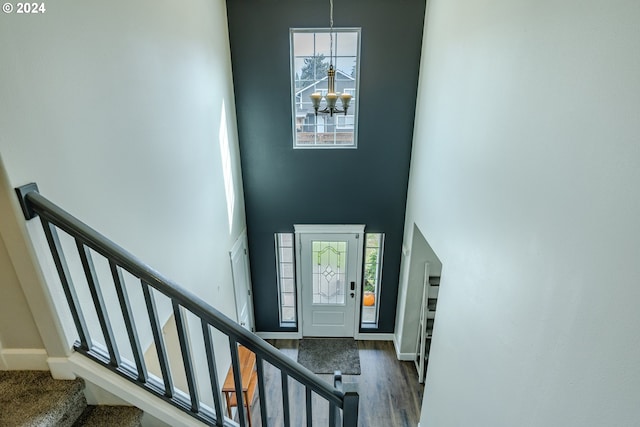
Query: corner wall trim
(24,359)
(3,364)
(61,368)
(402,356)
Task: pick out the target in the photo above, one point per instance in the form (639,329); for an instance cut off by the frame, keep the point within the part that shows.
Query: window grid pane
(329,274)
(286,279)
(373,253)
(310,62)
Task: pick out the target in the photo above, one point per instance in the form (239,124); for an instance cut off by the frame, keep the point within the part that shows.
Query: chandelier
(332,96)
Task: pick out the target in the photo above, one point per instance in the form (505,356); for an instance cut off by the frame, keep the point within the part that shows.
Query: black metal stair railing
(343,405)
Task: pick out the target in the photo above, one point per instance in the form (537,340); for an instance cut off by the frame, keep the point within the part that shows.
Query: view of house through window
(286,271)
(374,245)
(310,59)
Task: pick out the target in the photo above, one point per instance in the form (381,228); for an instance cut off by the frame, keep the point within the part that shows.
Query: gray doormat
(326,355)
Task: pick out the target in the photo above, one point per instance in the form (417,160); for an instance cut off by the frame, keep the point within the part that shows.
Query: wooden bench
(249,377)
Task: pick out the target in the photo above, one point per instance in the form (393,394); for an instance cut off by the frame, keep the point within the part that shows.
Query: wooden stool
(249,376)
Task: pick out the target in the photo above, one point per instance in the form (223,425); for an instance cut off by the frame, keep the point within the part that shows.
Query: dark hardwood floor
(390,395)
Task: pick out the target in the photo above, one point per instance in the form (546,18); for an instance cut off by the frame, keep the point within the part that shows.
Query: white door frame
(300,229)
(242,245)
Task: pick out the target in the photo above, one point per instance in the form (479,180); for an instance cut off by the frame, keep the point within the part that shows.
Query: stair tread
(110,416)
(33,398)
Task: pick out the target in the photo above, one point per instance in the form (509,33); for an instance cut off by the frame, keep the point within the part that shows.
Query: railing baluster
(237,379)
(309,407)
(261,390)
(334,414)
(157,338)
(129,321)
(285,399)
(186,356)
(67,284)
(98,302)
(213,373)
(343,403)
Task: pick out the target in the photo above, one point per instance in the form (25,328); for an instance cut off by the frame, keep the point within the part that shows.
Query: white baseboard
(60,368)
(296,336)
(3,365)
(279,335)
(24,359)
(407,357)
(402,356)
(363,336)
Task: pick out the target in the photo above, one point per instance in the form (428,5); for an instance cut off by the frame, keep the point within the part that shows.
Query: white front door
(329,283)
(241,282)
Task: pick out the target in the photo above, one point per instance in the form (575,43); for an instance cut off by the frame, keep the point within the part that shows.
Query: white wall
(26,303)
(17,326)
(123,113)
(410,296)
(524,180)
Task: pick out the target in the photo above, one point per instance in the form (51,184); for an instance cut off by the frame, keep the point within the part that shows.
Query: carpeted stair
(34,399)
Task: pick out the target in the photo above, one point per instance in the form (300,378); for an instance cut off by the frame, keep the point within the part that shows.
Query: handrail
(33,203)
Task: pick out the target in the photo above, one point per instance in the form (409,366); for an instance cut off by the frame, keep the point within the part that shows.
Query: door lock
(353,294)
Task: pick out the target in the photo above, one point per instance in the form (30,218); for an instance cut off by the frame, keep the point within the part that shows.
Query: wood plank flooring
(390,395)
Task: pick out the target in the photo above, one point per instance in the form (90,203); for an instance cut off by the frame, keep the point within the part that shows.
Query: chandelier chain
(331,96)
(331,32)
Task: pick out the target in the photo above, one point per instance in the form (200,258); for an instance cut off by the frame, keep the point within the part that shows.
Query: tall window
(310,52)
(286,278)
(373,251)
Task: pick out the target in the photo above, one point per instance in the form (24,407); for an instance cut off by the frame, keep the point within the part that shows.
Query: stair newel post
(350,402)
(350,408)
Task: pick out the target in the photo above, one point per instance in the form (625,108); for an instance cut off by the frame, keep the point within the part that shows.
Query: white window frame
(354,101)
(378,276)
(294,322)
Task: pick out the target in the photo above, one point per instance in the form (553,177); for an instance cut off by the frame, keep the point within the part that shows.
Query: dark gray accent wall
(283,186)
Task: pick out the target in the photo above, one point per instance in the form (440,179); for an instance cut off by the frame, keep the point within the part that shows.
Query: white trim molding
(279,335)
(363,336)
(402,356)
(329,228)
(24,359)
(110,382)
(3,365)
